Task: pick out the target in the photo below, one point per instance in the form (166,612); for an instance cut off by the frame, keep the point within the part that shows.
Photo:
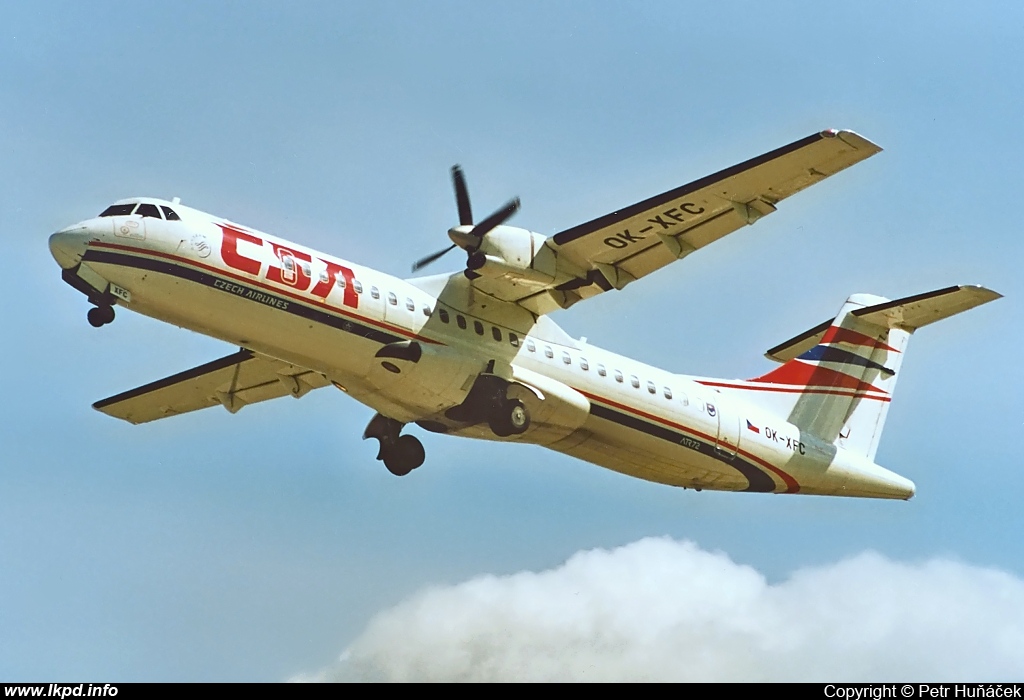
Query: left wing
(233,381)
(611,251)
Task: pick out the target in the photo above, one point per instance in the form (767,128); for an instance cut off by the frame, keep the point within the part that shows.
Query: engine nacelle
(514,253)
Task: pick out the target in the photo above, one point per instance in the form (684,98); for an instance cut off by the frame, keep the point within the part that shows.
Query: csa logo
(201,246)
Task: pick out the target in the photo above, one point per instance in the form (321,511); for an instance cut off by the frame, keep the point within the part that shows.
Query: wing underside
(613,250)
(234,381)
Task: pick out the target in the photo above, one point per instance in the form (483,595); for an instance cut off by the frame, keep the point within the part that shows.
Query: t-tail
(837,379)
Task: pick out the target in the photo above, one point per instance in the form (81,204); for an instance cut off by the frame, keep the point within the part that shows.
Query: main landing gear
(508,417)
(400,453)
(100,315)
(488,402)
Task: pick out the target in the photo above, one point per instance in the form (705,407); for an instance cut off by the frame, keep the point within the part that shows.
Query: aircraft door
(395,311)
(728,438)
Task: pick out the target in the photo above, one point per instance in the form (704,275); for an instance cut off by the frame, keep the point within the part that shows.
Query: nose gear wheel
(100,315)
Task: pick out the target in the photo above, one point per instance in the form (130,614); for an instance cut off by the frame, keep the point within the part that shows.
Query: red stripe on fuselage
(794,390)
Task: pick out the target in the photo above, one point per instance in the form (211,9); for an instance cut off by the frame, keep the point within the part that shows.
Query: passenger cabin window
(118,210)
(651,389)
(668,393)
(548,352)
(478,327)
(148,210)
(392,299)
(306,269)
(601,371)
(443,315)
(496,333)
(169,213)
(530,346)
(584,365)
(412,307)
(566,359)
(426,310)
(634,381)
(618,376)
(461,321)
(684,400)
(374,292)
(324,277)
(340,282)
(358,286)
(513,339)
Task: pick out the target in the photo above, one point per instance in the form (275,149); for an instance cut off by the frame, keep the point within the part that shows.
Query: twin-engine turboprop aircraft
(474,353)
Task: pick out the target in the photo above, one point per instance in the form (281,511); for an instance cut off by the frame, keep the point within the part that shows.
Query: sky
(269,545)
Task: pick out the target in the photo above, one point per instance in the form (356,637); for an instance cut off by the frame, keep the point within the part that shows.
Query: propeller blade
(423,262)
(496,219)
(462,196)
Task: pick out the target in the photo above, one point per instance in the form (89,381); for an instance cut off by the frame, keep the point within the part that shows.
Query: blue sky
(259,546)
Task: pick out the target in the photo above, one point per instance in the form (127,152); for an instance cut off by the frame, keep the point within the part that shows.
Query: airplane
(475,354)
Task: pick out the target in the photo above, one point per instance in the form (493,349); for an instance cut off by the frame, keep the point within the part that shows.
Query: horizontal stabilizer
(796,346)
(234,381)
(909,314)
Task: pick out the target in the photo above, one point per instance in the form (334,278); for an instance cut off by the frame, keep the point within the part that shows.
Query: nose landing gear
(100,315)
(400,453)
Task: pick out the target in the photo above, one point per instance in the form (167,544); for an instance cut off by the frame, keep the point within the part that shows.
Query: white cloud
(659,609)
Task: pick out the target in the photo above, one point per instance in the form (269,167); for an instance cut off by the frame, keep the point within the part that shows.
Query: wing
(233,381)
(618,248)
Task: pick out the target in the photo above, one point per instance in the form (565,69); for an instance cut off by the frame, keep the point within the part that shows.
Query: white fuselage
(332,316)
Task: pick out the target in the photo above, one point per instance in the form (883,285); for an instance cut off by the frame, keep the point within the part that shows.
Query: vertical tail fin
(837,379)
(846,379)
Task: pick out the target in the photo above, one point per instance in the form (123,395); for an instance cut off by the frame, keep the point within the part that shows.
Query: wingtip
(852,138)
(983,291)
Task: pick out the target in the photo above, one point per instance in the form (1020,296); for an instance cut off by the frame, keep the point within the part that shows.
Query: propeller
(466,235)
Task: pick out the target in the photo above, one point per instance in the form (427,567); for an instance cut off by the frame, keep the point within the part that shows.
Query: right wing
(233,381)
(613,250)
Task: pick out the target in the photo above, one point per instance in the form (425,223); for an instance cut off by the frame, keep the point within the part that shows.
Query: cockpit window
(118,210)
(149,210)
(170,214)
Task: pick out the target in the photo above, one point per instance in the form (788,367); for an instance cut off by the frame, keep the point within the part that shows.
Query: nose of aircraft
(68,245)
